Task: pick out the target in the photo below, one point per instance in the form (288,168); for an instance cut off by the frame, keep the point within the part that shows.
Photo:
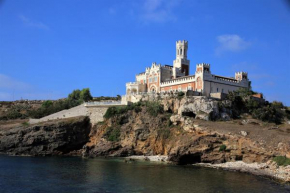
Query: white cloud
(26,21)
(231,43)
(158,10)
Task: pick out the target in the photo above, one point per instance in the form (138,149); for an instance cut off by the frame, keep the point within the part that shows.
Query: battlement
(203,64)
(181,42)
(222,78)
(241,73)
(167,67)
(180,80)
(141,74)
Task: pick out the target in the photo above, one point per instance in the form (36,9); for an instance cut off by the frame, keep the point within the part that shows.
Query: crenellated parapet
(241,76)
(203,65)
(181,80)
(202,68)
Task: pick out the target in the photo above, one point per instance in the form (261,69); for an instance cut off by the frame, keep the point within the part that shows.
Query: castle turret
(181,64)
(241,76)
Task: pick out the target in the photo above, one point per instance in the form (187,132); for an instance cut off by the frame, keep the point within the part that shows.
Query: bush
(112,134)
(47,104)
(180,95)
(154,108)
(282,160)
(277,105)
(251,105)
(268,114)
(223,147)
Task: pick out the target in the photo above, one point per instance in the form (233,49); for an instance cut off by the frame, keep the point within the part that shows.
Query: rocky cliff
(50,138)
(179,130)
(184,139)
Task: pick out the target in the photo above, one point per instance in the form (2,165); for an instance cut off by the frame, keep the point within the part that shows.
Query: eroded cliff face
(50,138)
(184,139)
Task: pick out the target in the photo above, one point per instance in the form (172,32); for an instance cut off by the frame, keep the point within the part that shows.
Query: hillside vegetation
(25,110)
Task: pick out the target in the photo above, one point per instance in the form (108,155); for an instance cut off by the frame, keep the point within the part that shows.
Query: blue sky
(50,47)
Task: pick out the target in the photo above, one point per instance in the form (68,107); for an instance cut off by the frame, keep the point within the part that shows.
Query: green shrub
(14,114)
(47,104)
(115,111)
(251,105)
(268,114)
(25,124)
(223,147)
(277,104)
(112,134)
(137,109)
(282,160)
(154,108)
(112,111)
(180,95)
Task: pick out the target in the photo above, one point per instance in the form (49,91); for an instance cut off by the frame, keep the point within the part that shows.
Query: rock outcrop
(199,107)
(180,138)
(50,138)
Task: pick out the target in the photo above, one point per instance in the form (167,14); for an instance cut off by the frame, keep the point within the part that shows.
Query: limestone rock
(176,119)
(50,138)
(244,133)
(199,107)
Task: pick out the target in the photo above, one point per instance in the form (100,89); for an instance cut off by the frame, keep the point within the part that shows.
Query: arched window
(180,51)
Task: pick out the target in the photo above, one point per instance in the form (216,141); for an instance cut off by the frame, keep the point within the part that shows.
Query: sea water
(100,175)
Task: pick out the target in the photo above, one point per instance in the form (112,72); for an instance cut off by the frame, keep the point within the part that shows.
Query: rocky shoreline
(269,169)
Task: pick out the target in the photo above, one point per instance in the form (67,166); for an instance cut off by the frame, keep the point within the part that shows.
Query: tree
(75,95)
(85,95)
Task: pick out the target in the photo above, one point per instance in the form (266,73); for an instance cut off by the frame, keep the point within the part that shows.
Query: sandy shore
(269,169)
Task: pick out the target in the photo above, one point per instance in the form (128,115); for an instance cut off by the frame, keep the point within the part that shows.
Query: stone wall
(95,114)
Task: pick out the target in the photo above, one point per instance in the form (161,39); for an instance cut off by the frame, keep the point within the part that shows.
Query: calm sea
(74,174)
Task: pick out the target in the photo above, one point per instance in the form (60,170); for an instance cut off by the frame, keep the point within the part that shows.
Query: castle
(167,78)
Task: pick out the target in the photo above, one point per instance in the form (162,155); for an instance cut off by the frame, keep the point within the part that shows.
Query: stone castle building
(166,78)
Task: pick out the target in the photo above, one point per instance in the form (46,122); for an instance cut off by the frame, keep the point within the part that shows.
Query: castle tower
(241,76)
(181,61)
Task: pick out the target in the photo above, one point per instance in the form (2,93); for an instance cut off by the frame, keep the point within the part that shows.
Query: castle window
(180,51)
(217,89)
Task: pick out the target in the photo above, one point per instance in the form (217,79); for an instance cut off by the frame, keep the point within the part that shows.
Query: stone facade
(166,78)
